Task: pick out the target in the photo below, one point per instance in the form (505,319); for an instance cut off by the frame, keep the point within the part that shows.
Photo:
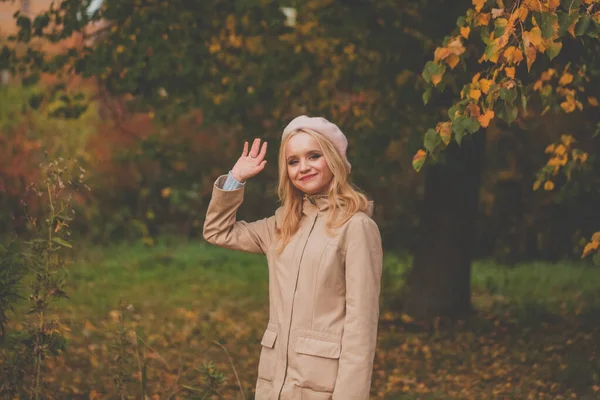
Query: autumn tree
(513,60)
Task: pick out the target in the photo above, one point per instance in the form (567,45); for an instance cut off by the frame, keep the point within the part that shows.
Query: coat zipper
(287,350)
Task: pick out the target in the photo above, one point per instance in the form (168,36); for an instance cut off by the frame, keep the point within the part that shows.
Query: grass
(536,333)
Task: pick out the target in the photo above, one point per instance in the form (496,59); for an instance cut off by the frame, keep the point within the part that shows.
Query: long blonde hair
(344,199)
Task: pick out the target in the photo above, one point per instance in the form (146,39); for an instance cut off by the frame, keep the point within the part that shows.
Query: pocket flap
(317,347)
(268,339)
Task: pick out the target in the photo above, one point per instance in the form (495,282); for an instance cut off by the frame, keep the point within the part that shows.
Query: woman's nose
(304,165)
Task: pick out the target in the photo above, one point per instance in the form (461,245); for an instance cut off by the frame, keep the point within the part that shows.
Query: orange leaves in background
(445,131)
(485,118)
(562,156)
(449,54)
(419,159)
(592,246)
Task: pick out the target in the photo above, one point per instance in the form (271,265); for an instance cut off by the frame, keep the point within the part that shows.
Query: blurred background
(116,117)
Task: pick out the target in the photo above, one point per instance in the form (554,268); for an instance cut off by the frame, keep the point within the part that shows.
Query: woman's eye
(315,156)
(293,162)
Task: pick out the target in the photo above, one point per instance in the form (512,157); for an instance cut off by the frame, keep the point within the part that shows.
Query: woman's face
(306,164)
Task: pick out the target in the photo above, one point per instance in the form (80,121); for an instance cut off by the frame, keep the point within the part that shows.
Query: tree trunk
(439,282)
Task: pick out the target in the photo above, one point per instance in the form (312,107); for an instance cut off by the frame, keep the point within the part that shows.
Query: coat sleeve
(364,262)
(222,229)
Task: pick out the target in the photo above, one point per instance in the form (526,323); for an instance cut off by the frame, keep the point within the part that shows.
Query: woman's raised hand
(250,163)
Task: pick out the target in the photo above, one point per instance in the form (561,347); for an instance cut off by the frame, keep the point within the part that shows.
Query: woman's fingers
(245,151)
(263,152)
(255,148)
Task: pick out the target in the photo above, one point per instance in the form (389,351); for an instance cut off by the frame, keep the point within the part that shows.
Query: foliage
(536,332)
(11,272)
(43,336)
(514,34)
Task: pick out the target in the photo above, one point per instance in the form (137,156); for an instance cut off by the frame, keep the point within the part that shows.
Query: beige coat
(320,341)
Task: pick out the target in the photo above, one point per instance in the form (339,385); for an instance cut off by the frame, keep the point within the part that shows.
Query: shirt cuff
(231,183)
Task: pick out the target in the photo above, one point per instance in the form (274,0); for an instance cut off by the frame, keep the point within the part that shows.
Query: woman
(325,259)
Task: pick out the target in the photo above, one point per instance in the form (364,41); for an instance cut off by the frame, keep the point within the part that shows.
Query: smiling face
(306,165)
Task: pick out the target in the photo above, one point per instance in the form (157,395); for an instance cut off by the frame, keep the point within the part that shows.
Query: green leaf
(553,50)
(432,140)
(62,242)
(500,26)
(471,125)
(463,125)
(427,94)
(461,21)
(594,30)
(546,21)
(491,50)
(582,25)
(432,68)
(571,4)
(485,34)
(507,112)
(564,21)
(508,95)
(418,160)
(452,112)
(596,258)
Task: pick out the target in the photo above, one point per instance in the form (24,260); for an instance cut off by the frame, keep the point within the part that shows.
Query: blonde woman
(325,259)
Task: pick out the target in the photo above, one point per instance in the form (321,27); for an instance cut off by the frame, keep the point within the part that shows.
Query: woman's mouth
(307,177)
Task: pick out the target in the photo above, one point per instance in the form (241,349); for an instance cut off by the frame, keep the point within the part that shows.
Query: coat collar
(312,204)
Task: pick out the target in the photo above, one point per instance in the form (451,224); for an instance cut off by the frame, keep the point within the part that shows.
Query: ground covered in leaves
(172,320)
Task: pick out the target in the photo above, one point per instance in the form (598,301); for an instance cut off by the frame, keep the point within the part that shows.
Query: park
(472,125)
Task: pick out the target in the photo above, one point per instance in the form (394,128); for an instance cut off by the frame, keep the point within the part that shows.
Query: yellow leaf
(565,79)
(407,319)
(553,4)
(214,47)
(437,78)
(452,60)
(521,13)
(478,4)
(548,185)
(589,248)
(567,140)
(596,237)
(534,36)
(533,5)
(485,118)
(120,49)
(513,55)
(530,54)
(475,94)
(536,185)
(568,105)
(440,53)
(510,72)
(593,101)
(464,31)
(560,150)
(475,77)
(166,192)
(456,46)
(445,130)
(482,19)
(497,12)
(485,84)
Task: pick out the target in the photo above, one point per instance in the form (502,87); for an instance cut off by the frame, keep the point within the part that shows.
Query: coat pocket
(268,356)
(317,357)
